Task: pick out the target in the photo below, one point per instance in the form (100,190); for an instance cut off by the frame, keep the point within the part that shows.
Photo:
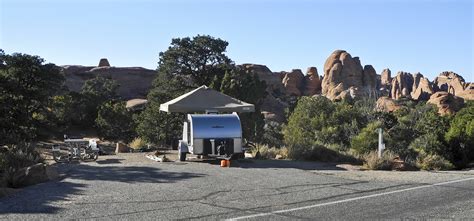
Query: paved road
(129,186)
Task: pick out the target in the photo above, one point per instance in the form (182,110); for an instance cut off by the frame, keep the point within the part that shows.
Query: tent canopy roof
(204,99)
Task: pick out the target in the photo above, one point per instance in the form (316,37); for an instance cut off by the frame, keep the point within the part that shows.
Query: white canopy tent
(204,99)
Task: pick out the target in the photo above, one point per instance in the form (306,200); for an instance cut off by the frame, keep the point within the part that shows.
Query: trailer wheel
(182,156)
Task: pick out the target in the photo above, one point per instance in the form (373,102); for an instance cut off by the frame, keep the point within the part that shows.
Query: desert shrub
(272,134)
(373,162)
(17,157)
(137,143)
(319,152)
(27,84)
(115,122)
(433,162)
(430,144)
(318,120)
(460,136)
(419,128)
(266,152)
(367,139)
(307,121)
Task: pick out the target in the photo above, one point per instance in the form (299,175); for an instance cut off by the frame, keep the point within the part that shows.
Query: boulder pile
(344,77)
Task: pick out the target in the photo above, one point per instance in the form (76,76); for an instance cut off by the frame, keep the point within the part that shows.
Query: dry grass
(433,162)
(266,152)
(373,162)
(137,143)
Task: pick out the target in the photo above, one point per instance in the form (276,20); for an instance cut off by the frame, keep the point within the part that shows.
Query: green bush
(367,139)
(17,157)
(115,122)
(373,162)
(26,87)
(318,152)
(433,162)
(430,144)
(460,136)
(272,134)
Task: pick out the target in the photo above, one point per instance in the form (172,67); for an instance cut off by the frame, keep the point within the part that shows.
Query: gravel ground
(130,186)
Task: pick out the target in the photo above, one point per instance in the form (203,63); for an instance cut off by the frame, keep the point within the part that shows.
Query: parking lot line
(349,200)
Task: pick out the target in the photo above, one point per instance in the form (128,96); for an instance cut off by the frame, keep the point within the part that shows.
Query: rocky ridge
(134,82)
(343,77)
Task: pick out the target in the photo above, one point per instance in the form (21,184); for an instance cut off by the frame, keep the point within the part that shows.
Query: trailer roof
(204,99)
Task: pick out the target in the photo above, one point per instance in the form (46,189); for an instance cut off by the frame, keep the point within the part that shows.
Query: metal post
(381,144)
(212,146)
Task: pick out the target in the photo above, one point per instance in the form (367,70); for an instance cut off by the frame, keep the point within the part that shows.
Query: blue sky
(427,36)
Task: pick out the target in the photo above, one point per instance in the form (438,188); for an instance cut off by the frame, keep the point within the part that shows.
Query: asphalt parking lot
(130,186)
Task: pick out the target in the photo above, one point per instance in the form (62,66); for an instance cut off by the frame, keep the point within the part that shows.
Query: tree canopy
(115,122)
(187,64)
(27,85)
(195,60)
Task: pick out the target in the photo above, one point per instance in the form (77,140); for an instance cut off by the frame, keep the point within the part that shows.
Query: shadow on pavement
(127,174)
(109,161)
(45,197)
(276,164)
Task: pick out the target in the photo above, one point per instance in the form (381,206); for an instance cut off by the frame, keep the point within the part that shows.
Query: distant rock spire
(104,62)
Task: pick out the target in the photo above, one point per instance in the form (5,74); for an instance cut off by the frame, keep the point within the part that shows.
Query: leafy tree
(115,122)
(159,127)
(428,144)
(460,135)
(367,140)
(26,88)
(307,121)
(188,63)
(272,134)
(418,123)
(247,87)
(199,58)
(192,62)
(94,93)
(68,109)
(100,89)
(154,125)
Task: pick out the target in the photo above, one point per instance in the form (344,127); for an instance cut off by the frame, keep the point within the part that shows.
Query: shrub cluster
(414,133)
(14,158)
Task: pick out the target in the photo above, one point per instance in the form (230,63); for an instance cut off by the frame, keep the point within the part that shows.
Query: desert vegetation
(36,105)
(416,133)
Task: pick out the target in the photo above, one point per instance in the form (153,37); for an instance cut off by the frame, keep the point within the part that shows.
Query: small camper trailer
(214,135)
(210,134)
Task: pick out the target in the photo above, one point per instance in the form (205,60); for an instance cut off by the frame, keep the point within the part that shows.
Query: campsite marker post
(381,144)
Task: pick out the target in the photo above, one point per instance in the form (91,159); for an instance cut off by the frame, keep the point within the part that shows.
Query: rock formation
(312,82)
(421,89)
(134,82)
(104,62)
(454,84)
(387,104)
(369,79)
(446,102)
(450,82)
(386,77)
(468,93)
(136,104)
(344,77)
(402,85)
(30,175)
(272,80)
(273,108)
(384,82)
(293,82)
